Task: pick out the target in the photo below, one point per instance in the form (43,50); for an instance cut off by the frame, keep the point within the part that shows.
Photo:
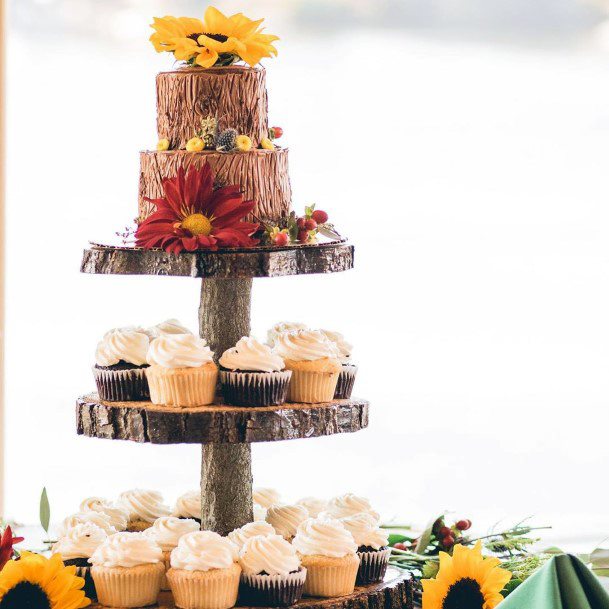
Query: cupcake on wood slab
(266,496)
(314,362)
(346,379)
(285,519)
(75,549)
(128,570)
(120,364)
(204,573)
(281,327)
(143,508)
(188,505)
(166,532)
(182,371)
(349,505)
(329,554)
(98,519)
(251,374)
(272,572)
(372,549)
(251,529)
(313,505)
(119,517)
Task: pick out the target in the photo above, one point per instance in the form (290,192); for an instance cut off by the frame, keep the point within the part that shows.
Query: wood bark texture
(262,175)
(254,262)
(235,95)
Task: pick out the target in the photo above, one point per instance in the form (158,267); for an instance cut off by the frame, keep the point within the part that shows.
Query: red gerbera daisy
(7,541)
(193,216)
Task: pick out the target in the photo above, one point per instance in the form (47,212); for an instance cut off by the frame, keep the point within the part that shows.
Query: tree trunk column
(226,469)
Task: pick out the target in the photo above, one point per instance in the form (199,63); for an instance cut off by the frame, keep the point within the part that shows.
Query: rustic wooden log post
(226,469)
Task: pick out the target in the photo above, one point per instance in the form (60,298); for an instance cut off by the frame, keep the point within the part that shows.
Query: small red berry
(448,541)
(310,224)
(303,236)
(321,217)
(464,524)
(400,546)
(281,239)
(277,132)
(300,223)
(445,531)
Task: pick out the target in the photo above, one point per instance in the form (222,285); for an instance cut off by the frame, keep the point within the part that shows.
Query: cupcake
(97,518)
(204,573)
(372,550)
(166,532)
(119,518)
(329,554)
(252,529)
(272,573)
(252,375)
(76,547)
(313,505)
(349,505)
(313,360)
(170,326)
(286,518)
(346,378)
(182,371)
(280,328)
(143,508)
(188,505)
(127,570)
(266,497)
(120,363)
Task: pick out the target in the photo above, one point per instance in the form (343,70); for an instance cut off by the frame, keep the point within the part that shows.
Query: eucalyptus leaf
(395,538)
(45,510)
(327,230)
(425,538)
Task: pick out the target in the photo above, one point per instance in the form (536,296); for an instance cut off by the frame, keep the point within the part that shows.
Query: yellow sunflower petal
(206,58)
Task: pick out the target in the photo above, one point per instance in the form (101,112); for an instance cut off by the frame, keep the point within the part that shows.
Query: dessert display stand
(226,432)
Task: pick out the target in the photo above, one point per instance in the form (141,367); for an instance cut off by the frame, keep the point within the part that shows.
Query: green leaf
(395,538)
(45,510)
(425,538)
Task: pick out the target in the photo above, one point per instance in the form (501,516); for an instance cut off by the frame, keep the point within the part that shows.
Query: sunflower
(193,216)
(37,582)
(217,40)
(466,580)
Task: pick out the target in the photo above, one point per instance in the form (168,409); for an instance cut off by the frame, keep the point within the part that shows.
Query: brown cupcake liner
(346,380)
(272,590)
(85,573)
(214,589)
(122,385)
(255,388)
(372,566)
(128,587)
(310,387)
(182,387)
(330,577)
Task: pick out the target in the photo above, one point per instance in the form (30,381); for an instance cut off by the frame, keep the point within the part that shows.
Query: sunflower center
(197,224)
(463,594)
(217,37)
(25,595)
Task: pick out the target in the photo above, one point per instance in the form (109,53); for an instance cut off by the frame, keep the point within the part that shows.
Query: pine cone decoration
(227,140)
(209,131)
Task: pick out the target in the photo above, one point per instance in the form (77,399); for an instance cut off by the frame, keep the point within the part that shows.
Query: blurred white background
(461,145)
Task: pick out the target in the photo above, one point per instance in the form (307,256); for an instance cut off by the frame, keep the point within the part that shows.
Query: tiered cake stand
(226,432)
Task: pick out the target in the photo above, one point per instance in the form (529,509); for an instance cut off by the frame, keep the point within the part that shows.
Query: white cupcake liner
(310,387)
(128,587)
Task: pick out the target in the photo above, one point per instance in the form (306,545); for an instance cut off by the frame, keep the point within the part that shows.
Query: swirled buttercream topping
(171,326)
(96,518)
(80,541)
(281,327)
(127,550)
(305,345)
(286,518)
(203,551)
(179,351)
(272,555)
(259,513)
(324,536)
(188,505)
(143,505)
(122,345)
(252,529)
(168,530)
(366,531)
(344,348)
(119,518)
(313,505)
(348,505)
(251,356)
(266,497)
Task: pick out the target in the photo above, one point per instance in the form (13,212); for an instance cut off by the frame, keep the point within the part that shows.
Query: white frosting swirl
(344,347)
(259,513)
(143,505)
(171,326)
(122,345)
(280,328)
(251,356)
(324,536)
(179,351)
(272,555)
(348,505)
(166,531)
(252,529)
(127,550)
(188,505)
(305,345)
(119,518)
(203,551)
(313,505)
(266,497)
(80,541)
(96,518)
(286,518)
(366,531)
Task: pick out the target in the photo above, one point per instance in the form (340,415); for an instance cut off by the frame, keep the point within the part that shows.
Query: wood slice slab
(395,592)
(218,424)
(254,262)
